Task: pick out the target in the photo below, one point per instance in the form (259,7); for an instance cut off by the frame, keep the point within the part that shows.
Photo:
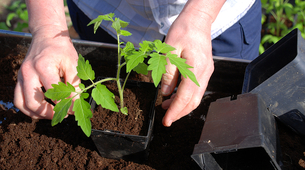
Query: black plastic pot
(278,76)
(116,144)
(238,134)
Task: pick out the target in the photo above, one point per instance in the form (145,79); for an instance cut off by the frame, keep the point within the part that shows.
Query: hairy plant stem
(120,65)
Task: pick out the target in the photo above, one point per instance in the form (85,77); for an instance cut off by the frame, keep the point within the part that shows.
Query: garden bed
(26,143)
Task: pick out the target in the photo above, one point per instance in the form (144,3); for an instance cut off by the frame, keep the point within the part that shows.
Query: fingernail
(165,89)
(168,123)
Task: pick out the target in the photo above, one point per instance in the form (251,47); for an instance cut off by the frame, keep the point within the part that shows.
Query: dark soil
(26,143)
(137,100)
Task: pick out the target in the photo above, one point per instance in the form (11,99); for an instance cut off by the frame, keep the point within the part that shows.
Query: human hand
(50,57)
(191,36)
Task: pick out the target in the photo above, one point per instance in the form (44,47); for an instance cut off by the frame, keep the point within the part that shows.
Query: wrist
(50,31)
(203,11)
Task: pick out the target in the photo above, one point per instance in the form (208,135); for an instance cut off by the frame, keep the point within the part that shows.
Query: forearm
(202,12)
(46,16)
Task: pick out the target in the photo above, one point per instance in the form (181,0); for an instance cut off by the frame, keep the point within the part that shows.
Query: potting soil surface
(26,143)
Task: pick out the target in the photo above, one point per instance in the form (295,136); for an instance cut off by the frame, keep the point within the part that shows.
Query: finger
(19,103)
(188,95)
(166,103)
(184,102)
(48,74)
(34,104)
(34,96)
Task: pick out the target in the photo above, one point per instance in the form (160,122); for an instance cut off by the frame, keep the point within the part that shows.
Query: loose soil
(26,143)
(137,100)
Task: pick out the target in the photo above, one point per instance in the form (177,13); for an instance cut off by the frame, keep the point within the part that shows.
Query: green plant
(299,18)
(134,60)
(20,12)
(283,13)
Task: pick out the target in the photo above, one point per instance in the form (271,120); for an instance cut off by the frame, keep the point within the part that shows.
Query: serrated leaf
(182,67)
(84,69)
(146,46)
(97,21)
(128,49)
(59,91)
(83,114)
(125,33)
(104,97)
(123,23)
(61,110)
(163,47)
(141,68)
(134,59)
(157,65)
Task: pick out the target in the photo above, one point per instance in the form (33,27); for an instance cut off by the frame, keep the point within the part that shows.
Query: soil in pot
(137,100)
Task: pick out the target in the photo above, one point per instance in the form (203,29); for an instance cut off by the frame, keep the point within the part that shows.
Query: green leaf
(14,5)
(97,21)
(162,47)
(83,114)
(22,6)
(104,97)
(3,26)
(61,111)
(85,95)
(81,86)
(182,67)
(146,46)
(84,69)
(261,49)
(128,49)
(157,65)
(125,33)
(20,26)
(141,68)
(116,25)
(124,110)
(24,15)
(123,23)
(59,91)
(9,17)
(134,59)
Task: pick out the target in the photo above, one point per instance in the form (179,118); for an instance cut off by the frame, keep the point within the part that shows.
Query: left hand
(190,34)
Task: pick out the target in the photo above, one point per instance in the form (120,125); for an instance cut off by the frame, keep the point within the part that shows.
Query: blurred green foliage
(18,13)
(281,17)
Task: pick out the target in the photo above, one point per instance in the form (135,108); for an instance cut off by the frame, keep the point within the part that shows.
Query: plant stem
(120,89)
(93,84)
(125,80)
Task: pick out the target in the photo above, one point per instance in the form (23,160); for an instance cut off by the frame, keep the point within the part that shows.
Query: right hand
(50,57)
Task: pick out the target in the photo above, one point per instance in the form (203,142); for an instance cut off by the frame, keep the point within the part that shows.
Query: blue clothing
(243,38)
(238,41)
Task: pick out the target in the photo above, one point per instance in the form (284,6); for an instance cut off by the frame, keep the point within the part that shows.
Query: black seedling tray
(238,134)
(278,76)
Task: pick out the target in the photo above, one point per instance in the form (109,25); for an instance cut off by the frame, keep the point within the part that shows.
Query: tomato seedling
(134,61)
